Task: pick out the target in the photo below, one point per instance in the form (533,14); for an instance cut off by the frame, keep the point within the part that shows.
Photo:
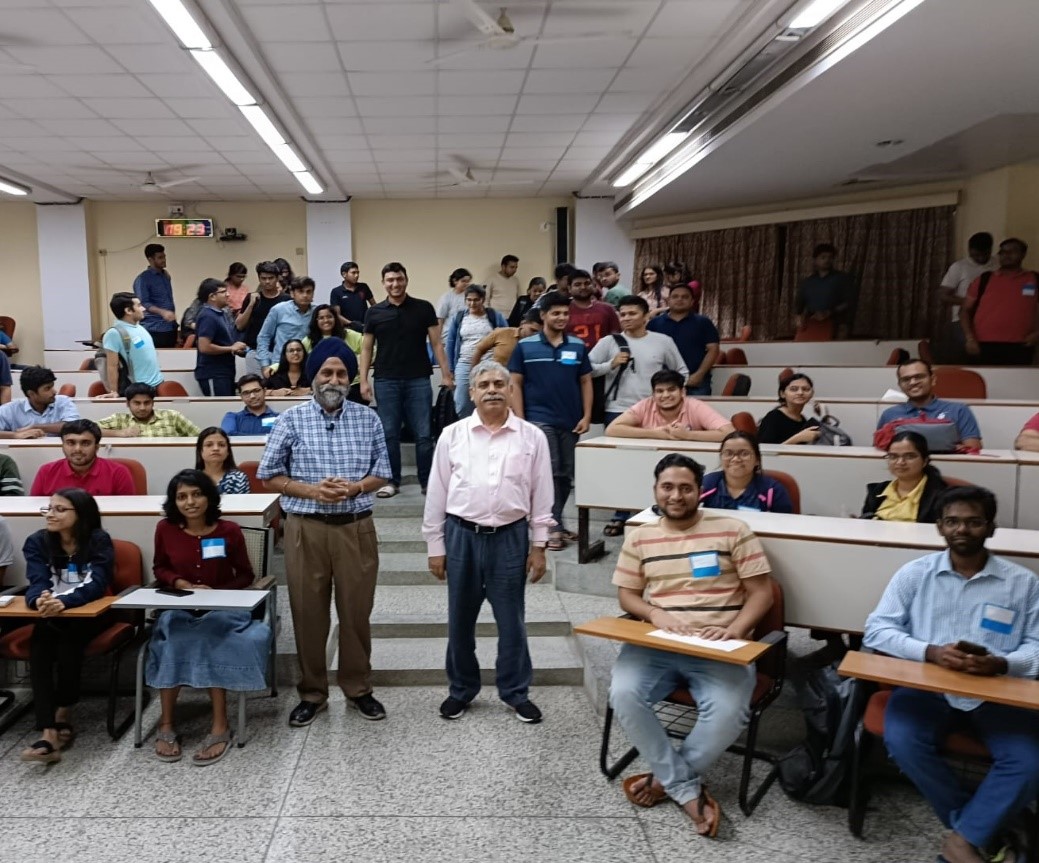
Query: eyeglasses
(951,523)
(57,508)
(902,457)
(254,392)
(741,454)
(913,379)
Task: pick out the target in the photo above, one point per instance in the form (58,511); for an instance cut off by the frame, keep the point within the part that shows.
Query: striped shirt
(927,602)
(164,423)
(10,479)
(695,573)
(310,445)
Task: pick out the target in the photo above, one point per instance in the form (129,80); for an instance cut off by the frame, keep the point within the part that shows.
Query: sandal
(210,741)
(614,527)
(707,805)
(647,795)
(171,738)
(66,734)
(556,542)
(570,536)
(49,755)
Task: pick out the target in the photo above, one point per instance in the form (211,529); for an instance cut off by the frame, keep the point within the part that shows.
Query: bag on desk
(830,431)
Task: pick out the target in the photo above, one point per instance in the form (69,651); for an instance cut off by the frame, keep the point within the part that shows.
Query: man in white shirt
(503,288)
(954,286)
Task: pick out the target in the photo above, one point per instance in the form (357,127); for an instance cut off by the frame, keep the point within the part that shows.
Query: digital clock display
(184,228)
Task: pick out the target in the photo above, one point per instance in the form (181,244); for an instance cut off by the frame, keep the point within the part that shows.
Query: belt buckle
(486,529)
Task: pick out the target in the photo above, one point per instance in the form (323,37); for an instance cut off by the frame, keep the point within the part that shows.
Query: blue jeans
(216,386)
(703,390)
(561,446)
(463,404)
(491,566)
(915,723)
(397,399)
(642,676)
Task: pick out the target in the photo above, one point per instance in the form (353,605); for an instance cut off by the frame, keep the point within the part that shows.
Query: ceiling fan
(499,34)
(154,186)
(463,177)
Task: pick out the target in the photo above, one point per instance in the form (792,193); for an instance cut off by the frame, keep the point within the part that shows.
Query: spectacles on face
(57,509)
(902,457)
(952,523)
(294,350)
(739,455)
(250,393)
(913,379)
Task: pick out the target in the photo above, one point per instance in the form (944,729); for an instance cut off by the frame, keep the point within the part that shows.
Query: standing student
(257,306)
(396,331)
(957,279)
(129,340)
(155,288)
(237,290)
(453,302)
(285,321)
(502,341)
(351,299)
(552,388)
(591,320)
(503,288)
(696,337)
(652,288)
(218,342)
(464,331)
(610,282)
(826,295)
(526,302)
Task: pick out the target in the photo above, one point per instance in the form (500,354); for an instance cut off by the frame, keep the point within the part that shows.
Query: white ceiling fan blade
(169,184)
(506,182)
(469,49)
(462,175)
(480,19)
(576,37)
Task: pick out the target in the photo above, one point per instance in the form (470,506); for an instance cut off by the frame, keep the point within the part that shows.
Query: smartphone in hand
(173,591)
(971,648)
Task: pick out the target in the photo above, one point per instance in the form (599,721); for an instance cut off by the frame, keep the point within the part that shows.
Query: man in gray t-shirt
(647,353)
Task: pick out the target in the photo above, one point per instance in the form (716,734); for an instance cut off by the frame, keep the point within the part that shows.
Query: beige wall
(432,238)
(121,230)
(21,293)
(1023,208)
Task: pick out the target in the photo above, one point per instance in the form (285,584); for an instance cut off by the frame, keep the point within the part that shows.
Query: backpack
(125,363)
(614,388)
(941,435)
(444,413)
(830,431)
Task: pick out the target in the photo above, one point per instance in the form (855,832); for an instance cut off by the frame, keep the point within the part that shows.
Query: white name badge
(267,422)
(1028,291)
(213,548)
(704,564)
(568,358)
(743,508)
(997,618)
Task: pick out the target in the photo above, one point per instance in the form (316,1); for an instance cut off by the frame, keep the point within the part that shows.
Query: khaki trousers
(318,557)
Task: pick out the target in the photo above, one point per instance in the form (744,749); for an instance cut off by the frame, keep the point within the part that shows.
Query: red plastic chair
(786,373)
(8,325)
(744,335)
(67,390)
(736,357)
(736,385)
(96,389)
(170,389)
(744,422)
(952,382)
(249,468)
(923,350)
(137,471)
(189,342)
(790,484)
(87,365)
(897,356)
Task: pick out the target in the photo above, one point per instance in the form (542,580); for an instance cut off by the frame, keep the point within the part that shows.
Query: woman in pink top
(237,290)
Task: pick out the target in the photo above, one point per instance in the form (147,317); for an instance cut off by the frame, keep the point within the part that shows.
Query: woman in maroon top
(195,549)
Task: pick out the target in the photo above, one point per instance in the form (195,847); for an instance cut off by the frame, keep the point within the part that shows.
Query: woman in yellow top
(325,325)
(913,493)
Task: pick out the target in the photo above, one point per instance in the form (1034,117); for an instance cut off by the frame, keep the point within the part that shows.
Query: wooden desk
(162,457)
(202,411)
(131,518)
(18,608)
(834,570)
(637,632)
(1014,691)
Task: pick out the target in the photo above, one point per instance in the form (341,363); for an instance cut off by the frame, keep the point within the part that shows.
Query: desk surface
(18,608)
(637,632)
(122,442)
(1015,691)
(146,504)
(149,597)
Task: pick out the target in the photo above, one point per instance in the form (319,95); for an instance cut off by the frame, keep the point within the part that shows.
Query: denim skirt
(219,649)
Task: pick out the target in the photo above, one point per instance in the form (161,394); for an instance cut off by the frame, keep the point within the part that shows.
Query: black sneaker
(305,713)
(453,708)
(527,712)
(367,705)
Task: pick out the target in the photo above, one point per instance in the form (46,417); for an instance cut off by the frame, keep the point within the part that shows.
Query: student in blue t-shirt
(218,341)
(916,378)
(137,349)
(552,388)
(740,484)
(255,418)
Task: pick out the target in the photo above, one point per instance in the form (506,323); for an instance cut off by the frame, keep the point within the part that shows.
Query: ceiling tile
(113,86)
(399,125)
(325,106)
(335,126)
(115,26)
(676,18)
(239,157)
(646,79)
(492,123)
(48,144)
(552,154)
(49,109)
(348,157)
(69,59)
(609,122)
(484,141)
(215,128)
(539,139)
(454,106)
(129,109)
(456,83)
(28,87)
(26,129)
(303,57)
(199,109)
(394,56)
(659,52)
(78,128)
(568,81)
(569,104)
(385,21)
(487,156)
(392,83)
(116,144)
(232,145)
(511,58)
(180,144)
(157,59)
(139,159)
(395,106)
(584,55)
(548,122)
(403,142)
(154,127)
(29,24)
(291,22)
(570,20)
(625,103)
(314,83)
(414,155)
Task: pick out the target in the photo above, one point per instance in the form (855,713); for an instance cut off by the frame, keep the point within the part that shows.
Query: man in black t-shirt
(255,309)
(824,298)
(397,328)
(352,298)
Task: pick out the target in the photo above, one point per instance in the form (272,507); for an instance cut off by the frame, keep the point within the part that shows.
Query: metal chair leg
(611,772)
(750,753)
(858,793)
(242,733)
(116,731)
(138,697)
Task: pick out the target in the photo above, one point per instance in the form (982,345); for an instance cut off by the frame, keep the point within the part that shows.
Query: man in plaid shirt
(144,421)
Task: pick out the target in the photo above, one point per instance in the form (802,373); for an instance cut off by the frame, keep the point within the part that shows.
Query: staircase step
(400,534)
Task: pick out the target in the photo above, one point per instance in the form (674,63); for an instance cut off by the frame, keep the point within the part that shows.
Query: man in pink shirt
(671,415)
(81,467)
(486,522)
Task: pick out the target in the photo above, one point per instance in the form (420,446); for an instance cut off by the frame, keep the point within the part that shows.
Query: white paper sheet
(894,396)
(728,645)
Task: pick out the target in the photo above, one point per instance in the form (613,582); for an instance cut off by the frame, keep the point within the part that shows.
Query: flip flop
(656,795)
(708,803)
(50,755)
(614,527)
(173,739)
(66,734)
(556,542)
(212,740)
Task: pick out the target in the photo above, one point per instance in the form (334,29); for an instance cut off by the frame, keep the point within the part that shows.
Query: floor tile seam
(285,795)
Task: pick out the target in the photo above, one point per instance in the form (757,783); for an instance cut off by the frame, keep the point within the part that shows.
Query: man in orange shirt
(1000,314)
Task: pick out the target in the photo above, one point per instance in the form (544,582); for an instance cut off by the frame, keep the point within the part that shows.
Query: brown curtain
(896,259)
(737,268)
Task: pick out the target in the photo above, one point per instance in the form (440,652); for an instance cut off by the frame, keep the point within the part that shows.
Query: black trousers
(166,339)
(56,663)
(1006,354)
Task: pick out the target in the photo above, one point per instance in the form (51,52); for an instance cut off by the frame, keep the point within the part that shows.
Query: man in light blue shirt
(916,379)
(155,288)
(137,348)
(970,611)
(42,411)
(285,321)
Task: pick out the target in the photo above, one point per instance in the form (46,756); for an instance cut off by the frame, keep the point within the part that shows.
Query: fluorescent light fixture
(649,158)
(289,158)
(223,77)
(10,188)
(815,13)
(631,175)
(307,181)
(182,24)
(259,120)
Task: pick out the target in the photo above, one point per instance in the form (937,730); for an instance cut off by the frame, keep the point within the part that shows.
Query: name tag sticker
(139,343)
(1028,291)
(267,422)
(704,564)
(213,548)
(568,358)
(743,508)
(997,618)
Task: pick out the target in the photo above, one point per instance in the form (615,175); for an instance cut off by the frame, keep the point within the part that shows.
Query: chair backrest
(956,383)
(744,422)
(815,331)
(786,373)
(137,471)
(87,365)
(259,545)
(96,389)
(790,484)
(170,388)
(736,357)
(249,468)
(956,481)
(129,568)
(189,342)
(736,385)
(897,356)
(8,324)
(67,390)
(745,333)
(774,620)
(923,350)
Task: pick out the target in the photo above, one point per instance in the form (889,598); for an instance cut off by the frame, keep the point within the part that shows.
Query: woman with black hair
(740,484)
(325,324)
(237,290)
(290,377)
(215,458)
(525,303)
(787,423)
(196,549)
(285,274)
(913,493)
(69,563)
(652,288)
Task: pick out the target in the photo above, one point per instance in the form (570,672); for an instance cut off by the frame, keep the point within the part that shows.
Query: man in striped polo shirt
(692,574)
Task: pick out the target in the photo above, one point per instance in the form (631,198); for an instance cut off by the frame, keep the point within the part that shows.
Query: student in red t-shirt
(591,320)
(1001,323)
(81,467)
(1028,437)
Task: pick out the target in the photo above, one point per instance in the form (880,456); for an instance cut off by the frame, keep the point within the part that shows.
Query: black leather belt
(336,517)
(482,528)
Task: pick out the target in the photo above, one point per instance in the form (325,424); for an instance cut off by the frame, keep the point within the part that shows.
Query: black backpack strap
(983,281)
(614,388)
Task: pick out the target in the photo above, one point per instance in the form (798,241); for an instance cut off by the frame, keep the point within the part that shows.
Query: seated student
(916,379)
(82,467)
(213,456)
(740,484)
(325,325)
(144,421)
(42,411)
(289,375)
(218,650)
(930,610)
(6,547)
(728,594)
(68,564)
(669,414)
(787,423)
(255,418)
(501,342)
(913,493)
(10,478)
(1028,437)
